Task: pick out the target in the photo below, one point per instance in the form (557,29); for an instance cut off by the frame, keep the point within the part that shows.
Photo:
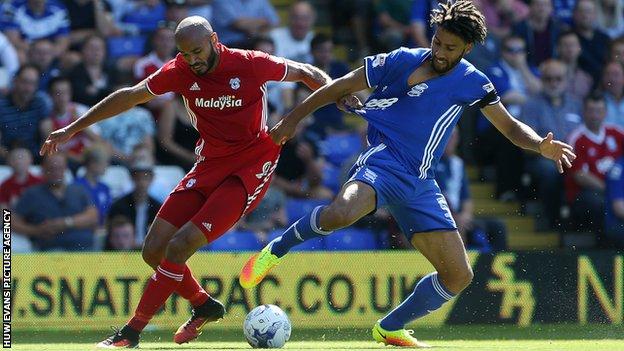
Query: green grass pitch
(482,338)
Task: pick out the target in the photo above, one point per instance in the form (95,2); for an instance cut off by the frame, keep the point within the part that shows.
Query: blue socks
(429,294)
(303,229)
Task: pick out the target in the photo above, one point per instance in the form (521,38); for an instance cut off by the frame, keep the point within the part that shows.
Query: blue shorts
(416,204)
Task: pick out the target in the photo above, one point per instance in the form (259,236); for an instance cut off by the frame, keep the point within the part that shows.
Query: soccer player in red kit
(224,91)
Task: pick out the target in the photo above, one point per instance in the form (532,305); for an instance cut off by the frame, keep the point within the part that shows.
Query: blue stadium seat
(236,240)
(308,245)
(338,148)
(125,46)
(297,208)
(351,239)
(331,177)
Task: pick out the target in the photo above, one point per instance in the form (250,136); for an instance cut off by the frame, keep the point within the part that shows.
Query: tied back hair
(462,18)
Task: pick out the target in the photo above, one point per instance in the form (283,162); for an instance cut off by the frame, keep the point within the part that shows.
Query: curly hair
(462,18)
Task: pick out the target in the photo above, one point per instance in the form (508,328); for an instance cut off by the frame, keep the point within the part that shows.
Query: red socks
(190,289)
(163,283)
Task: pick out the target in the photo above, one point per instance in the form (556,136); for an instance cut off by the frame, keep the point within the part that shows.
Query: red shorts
(254,167)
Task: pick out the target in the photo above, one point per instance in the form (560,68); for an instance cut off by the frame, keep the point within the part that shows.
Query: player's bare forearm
(112,105)
(517,132)
(312,76)
(330,93)
(589,181)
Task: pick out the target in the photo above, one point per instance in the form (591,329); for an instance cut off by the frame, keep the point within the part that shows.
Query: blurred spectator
(238,21)
(502,15)
(594,43)
(616,50)
(56,216)
(177,10)
(613,86)
(64,112)
(563,10)
(138,206)
(269,215)
(393,18)
(351,21)
(568,51)
(328,118)
(611,17)
(293,42)
(88,18)
(597,146)
(39,19)
(41,55)
(163,50)
(20,161)
(23,112)
(92,80)
(550,111)
(121,235)
(176,136)
(142,17)
(484,234)
(614,209)
(299,172)
(127,131)
(540,31)
(280,95)
(9,62)
(515,80)
(96,160)
(421,32)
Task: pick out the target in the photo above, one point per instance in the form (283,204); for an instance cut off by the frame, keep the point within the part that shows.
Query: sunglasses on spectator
(552,78)
(514,49)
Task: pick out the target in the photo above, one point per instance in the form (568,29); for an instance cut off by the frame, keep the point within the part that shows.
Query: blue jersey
(415,122)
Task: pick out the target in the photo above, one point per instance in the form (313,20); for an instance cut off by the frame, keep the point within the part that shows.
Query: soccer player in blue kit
(418,96)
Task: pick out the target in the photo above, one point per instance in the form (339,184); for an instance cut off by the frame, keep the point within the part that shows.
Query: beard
(448,66)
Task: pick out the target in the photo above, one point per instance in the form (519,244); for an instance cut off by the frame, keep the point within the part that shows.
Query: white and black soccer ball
(267,327)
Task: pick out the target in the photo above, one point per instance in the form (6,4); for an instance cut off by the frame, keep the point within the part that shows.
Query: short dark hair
(56,80)
(319,39)
(257,40)
(462,18)
(25,67)
(565,33)
(595,96)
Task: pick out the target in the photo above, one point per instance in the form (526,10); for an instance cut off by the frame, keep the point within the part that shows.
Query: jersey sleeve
(163,80)
(268,67)
(482,92)
(615,181)
(378,66)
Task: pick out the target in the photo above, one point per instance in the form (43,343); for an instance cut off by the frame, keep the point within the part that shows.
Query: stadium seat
(308,245)
(168,176)
(297,208)
(125,46)
(236,240)
(5,172)
(351,239)
(338,148)
(116,177)
(331,177)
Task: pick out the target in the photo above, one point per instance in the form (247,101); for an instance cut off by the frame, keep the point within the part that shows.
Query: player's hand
(560,152)
(283,131)
(349,102)
(53,141)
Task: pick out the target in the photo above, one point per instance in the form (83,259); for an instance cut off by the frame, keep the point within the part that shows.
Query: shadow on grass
(459,332)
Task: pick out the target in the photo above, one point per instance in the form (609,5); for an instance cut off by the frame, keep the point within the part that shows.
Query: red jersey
(595,153)
(75,145)
(228,106)
(10,189)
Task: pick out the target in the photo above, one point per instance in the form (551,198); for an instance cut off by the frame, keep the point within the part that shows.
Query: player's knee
(151,257)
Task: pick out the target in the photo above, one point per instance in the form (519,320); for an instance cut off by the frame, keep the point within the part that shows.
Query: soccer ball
(267,327)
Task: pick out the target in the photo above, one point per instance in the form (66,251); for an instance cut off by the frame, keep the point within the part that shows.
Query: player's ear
(214,38)
(468,49)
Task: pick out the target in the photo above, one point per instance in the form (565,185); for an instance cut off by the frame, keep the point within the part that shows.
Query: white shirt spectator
(290,48)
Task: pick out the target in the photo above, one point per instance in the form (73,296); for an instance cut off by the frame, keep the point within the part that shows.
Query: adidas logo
(195,87)
(208,226)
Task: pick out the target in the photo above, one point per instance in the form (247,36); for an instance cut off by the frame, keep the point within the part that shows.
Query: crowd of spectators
(558,66)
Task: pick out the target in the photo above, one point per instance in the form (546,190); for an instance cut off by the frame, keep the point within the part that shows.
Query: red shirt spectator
(595,153)
(10,190)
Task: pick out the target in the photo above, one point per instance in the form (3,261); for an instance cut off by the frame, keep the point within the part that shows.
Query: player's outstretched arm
(312,76)
(350,83)
(112,105)
(525,137)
